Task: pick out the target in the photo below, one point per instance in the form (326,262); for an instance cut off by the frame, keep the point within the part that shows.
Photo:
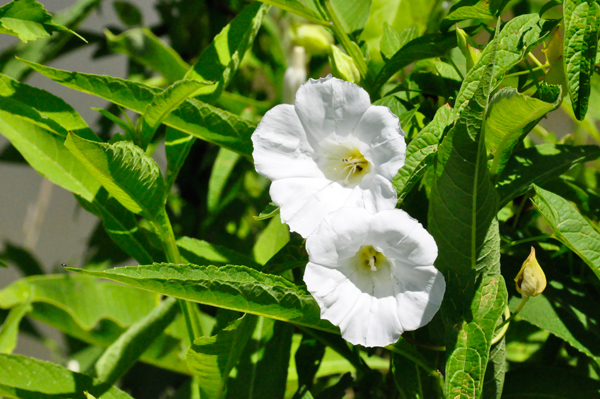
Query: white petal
(378,194)
(380,129)
(330,105)
(280,146)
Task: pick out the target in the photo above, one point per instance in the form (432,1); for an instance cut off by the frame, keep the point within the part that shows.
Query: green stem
(418,362)
(516,312)
(351,49)
(524,240)
(527,71)
(535,60)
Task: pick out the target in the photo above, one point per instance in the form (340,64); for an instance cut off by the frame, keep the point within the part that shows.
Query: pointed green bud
(467,47)
(314,38)
(531,280)
(343,66)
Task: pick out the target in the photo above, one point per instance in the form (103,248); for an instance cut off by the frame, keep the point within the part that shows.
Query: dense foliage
(212,302)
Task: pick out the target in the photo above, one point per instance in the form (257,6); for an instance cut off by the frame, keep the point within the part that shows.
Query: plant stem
(524,240)
(516,312)
(527,71)
(351,49)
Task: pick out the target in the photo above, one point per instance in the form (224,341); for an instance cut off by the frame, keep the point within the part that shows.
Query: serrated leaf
(539,164)
(120,356)
(419,153)
(512,115)
(10,328)
(219,61)
(166,102)
(146,48)
(519,36)
(569,227)
(582,24)
(126,172)
(221,170)
(298,8)
(28,20)
(193,117)
(353,15)
(548,382)
(211,359)
(230,287)
(392,41)
(28,378)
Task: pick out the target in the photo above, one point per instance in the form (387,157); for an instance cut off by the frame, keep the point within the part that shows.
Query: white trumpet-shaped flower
(373,275)
(331,149)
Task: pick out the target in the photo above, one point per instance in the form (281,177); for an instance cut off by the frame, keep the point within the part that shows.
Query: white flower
(331,149)
(373,275)
(294,75)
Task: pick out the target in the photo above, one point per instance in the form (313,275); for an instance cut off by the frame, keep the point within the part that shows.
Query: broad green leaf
(166,102)
(309,356)
(512,115)
(582,24)
(468,9)
(406,377)
(204,253)
(146,48)
(229,287)
(221,170)
(28,378)
(298,8)
(28,20)
(9,330)
(352,14)
(127,173)
(427,46)
(419,153)
(462,219)
(122,226)
(519,36)
(569,227)
(539,164)
(221,59)
(47,154)
(124,352)
(292,255)
(211,359)
(392,41)
(271,240)
(564,312)
(550,383)
(177,147)
(193,117)
(493,382)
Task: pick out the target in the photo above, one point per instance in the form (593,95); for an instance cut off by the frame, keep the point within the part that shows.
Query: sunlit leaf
(222,168)
(298,8)
(9,330)
(352,14)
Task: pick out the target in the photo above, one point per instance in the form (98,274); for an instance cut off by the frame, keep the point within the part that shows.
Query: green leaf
(519,36)
(193,117)
(28,20)
(493,382)
(221,170)
(9,330)
(551,383)
(221,59)
(271,210)
(229,287)
(177,147)
(569,227)
(512,115)
(203,253)
(427,46)
(580,45)
(211,359)
(3,264)
(124,352)
(129,14)
(406,377)
(271,240)
(126,172)
(539,164)
(392,41)
(145,47)
(28,378)
(468,9)
(46,153)
(166,102)
(420,152)
(22,259)
(128,129)
(298,8)
(352,14)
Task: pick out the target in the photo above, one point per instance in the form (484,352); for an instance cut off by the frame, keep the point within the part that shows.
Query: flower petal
(377,193)
(330,105)
(281,149)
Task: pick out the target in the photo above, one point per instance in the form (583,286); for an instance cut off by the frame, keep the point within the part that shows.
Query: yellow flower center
(371,259)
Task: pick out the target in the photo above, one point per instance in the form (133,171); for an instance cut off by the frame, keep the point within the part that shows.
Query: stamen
(354,165)
(372,261)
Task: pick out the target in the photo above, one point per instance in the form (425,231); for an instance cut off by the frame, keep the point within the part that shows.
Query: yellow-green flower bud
(467,47)
(314,38)
(531,280)
(343,66)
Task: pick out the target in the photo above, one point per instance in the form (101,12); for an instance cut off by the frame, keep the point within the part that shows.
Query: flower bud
(294,75)
(467,47)
(343,66)
(531,280)
(314,38)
